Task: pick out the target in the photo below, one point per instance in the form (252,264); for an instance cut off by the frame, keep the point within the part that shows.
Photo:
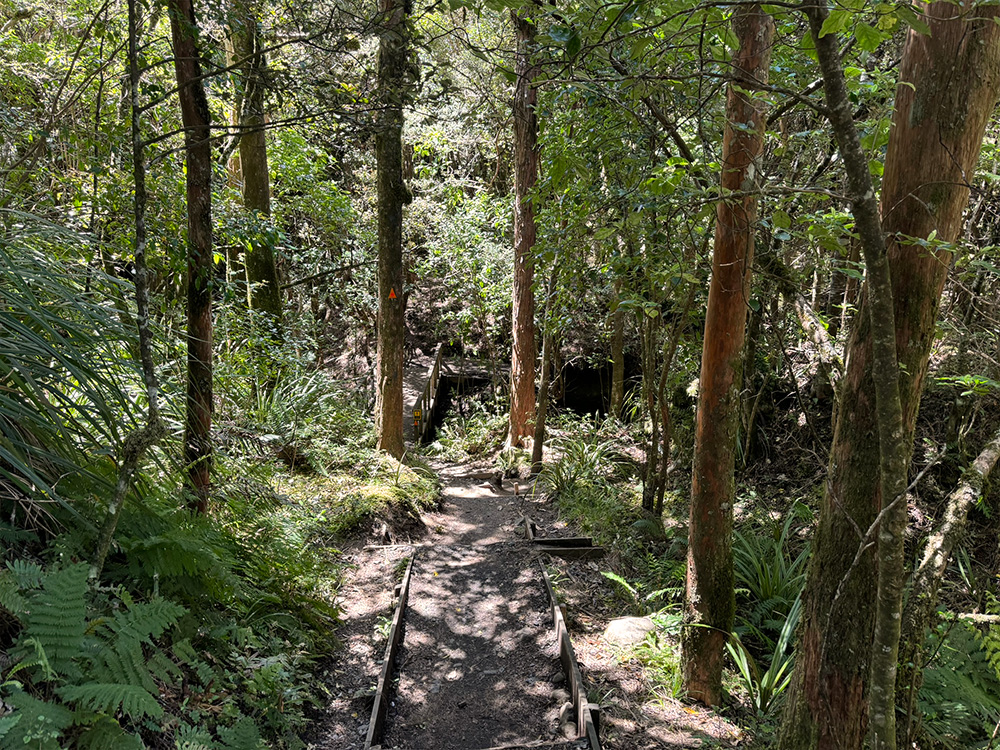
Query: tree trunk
(648,327)
(138,442)
(522,367)
(262,272)
(953,75)
(392,195)
(543,387)
(200,273)
(617,354)
(709,603)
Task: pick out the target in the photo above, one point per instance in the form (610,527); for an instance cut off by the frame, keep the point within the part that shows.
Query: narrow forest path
(479,665)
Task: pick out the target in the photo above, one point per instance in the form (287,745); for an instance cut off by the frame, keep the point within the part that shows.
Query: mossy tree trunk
(196,119)
(709,603)
(522,369)
(393,83)
(261,269)
(842,693)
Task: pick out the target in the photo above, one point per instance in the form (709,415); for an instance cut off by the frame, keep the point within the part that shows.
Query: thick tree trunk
(262,272)
(522,368)
(709,603)
(392,195)
(200,273)
(948,89)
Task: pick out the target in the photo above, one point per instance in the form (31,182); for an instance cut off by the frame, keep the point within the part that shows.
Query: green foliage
(959,700)
(66,390)
(642,604)
(99,669)
(766,687)
(583,460)
(480,430)
(769,581)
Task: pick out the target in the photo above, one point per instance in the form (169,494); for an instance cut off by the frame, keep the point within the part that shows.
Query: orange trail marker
(392,293)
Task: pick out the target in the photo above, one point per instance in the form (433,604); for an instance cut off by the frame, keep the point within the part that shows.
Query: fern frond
(57,617)
(243,735)
(110,698)
(7,723)
(10,596)
(118,655)
(39,723)
(107,734)
(28,575)
(194,738)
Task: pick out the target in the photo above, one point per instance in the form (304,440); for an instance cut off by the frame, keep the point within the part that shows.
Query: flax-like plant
(68,384)
(765,688)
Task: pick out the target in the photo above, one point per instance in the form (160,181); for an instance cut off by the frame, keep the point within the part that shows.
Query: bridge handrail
(426,403)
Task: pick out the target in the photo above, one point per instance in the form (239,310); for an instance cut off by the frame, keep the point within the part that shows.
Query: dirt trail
(479,666)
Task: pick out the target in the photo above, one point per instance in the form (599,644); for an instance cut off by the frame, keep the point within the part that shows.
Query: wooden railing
(423,409)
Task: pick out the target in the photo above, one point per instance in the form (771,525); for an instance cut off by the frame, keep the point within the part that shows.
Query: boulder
(628,631)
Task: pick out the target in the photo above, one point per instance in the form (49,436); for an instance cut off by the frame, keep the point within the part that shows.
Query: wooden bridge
(424,381)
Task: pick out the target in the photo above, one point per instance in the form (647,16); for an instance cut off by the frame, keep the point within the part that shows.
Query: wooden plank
(567,657)
(570,553)
(565,541)
(529,528)
(376,726)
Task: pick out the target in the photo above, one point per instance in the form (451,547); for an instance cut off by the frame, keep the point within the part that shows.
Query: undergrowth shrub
(959,700)
(476,432)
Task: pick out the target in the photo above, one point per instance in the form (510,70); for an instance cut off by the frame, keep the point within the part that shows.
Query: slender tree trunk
(617,354)
(262,272)
(200,274)
(522,369)
(948,89)
(647,332)
(927,581)
(709,603)
(543,388)
(392,195)
(141,440)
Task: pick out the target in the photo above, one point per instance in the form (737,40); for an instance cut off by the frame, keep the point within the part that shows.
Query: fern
(28,575)
(960,696)
(56,619)
(102,669)
(989,639)
(110,698)
(194,738)
(39,724)
(106,734)
(10,596)
(243,735)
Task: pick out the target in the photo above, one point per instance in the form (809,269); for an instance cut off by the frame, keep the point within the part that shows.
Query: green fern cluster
(86,680)
(960,697)
(96,682)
